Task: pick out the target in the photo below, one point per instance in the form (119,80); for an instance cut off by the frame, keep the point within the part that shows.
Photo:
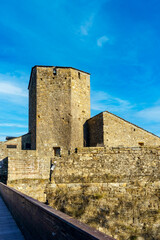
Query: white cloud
(150,114)
(11,89)
(2,138)
(102,101)
(13,125)
(87,25)
(102,40)
(10,84)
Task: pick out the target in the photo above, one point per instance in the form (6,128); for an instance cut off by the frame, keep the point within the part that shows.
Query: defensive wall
(115,190)
(24,169)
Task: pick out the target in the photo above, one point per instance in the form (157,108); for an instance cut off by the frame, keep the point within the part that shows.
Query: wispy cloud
(9,85)
(85,27)
(2,138)
(13,125)
(150,114)
(102,40)
(148,118)
(102,101)
(10,89)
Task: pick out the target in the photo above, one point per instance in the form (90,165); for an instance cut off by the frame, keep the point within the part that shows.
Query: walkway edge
(39,221)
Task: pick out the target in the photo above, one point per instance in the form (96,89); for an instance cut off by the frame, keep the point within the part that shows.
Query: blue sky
(116,41)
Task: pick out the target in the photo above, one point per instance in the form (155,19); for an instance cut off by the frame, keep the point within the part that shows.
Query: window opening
(11,146)
(57,151)
(141,143)
(28,146)
(54,71)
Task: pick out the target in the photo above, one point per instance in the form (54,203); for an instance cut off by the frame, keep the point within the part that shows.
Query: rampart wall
(116,190)
(28,173)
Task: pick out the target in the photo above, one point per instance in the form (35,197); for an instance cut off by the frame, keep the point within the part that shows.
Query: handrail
(39,221)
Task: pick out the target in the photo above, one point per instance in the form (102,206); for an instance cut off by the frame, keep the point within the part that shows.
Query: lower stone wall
(4,156)
(7,146)
(95,131)
(28,173)
(101,165)
(115,190)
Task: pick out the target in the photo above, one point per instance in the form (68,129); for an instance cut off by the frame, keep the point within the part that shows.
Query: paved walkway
(8,227)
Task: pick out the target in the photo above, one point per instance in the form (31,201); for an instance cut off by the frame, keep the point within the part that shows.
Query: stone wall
(4,170)
(33,107)
(95,136)
(80,106)
(28,173)
(16,143)
(97,165)
(26,142)
(53,108)
(118,132)
(116,190)
(23,169)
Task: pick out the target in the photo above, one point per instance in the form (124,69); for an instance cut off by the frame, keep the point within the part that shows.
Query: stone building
(95,161)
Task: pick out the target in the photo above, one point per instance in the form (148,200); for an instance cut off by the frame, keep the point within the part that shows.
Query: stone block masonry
(116,190)
(109,130)
(28,173)
(59,107)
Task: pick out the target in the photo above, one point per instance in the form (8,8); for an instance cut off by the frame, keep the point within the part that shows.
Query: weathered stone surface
(106,129)
(38,221)
(59,107)
(115,190)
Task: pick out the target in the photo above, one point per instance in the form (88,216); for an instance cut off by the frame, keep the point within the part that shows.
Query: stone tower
(59,105)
